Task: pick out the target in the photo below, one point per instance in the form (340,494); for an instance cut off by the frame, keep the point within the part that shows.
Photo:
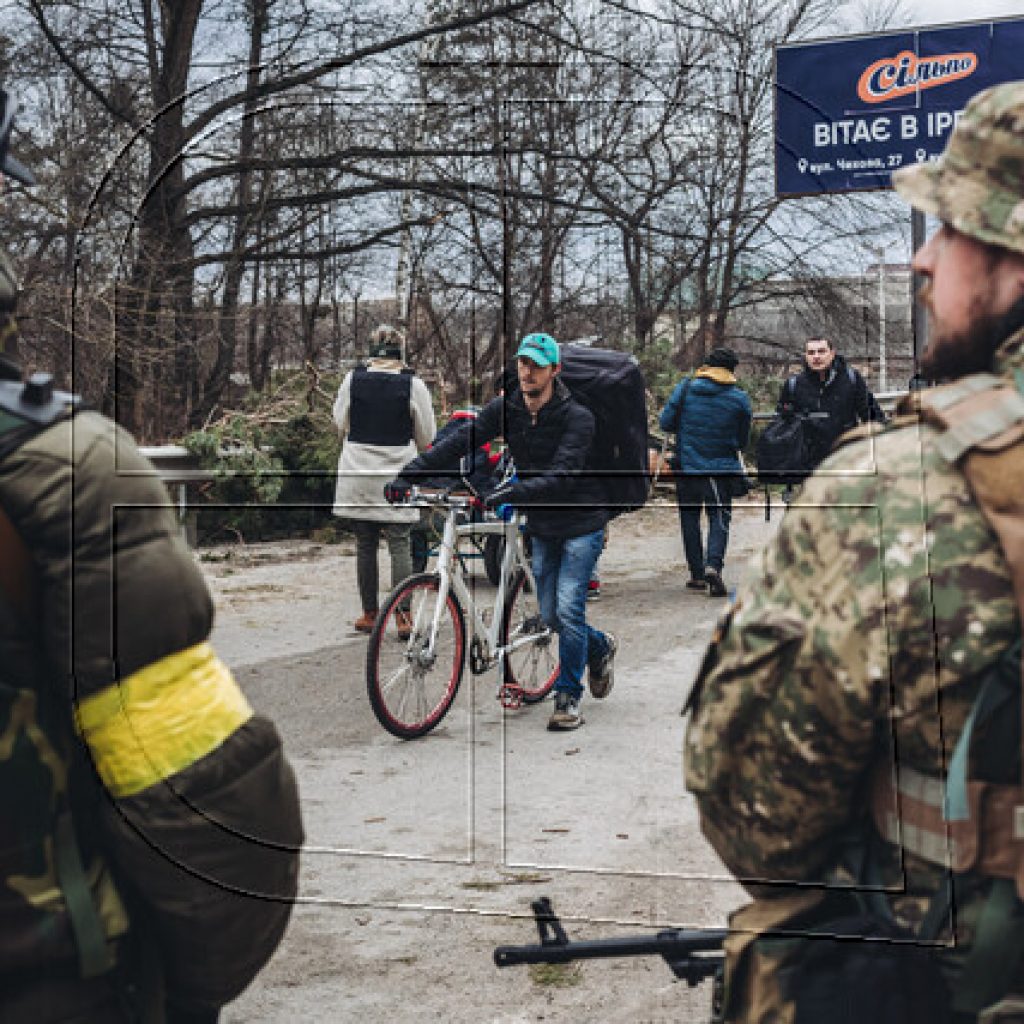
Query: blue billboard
(848,112)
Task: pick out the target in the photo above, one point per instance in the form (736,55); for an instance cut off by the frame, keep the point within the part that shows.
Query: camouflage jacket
(866,629)
(90,510)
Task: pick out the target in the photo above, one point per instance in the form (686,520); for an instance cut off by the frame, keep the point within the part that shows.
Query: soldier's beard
(951,356)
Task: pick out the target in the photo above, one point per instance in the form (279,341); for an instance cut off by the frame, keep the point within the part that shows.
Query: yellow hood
(719,374)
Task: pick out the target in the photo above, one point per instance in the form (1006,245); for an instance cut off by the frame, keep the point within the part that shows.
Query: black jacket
(844,395)
(557,486)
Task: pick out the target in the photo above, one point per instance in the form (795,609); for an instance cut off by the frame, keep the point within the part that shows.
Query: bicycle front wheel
(411,683)
(531,659)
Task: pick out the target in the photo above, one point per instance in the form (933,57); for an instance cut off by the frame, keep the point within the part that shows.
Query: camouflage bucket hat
(977,184)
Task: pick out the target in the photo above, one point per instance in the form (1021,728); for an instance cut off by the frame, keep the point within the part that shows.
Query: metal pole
(883,380)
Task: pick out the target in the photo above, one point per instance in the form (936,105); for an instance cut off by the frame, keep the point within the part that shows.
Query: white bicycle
(414,665)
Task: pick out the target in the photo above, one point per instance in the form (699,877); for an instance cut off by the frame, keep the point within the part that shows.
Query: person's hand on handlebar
(397,491)
(499,501)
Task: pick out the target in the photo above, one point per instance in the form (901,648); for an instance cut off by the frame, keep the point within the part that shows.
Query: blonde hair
(387,342)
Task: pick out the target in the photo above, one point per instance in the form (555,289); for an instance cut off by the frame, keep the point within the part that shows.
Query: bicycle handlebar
(448,499)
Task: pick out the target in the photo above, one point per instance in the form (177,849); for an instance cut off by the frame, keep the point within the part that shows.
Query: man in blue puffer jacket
(710,415)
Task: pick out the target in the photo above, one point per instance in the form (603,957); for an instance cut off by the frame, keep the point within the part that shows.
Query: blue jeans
(562,568)
(712,494)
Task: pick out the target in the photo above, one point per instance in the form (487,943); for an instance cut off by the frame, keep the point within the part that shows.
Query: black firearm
(693,956)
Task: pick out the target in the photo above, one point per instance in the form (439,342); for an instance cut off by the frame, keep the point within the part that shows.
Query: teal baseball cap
(541,349)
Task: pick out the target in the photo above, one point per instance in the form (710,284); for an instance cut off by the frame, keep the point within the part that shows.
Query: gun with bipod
(693,955)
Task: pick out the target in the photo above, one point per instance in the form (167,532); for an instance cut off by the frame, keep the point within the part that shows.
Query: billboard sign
(848,112)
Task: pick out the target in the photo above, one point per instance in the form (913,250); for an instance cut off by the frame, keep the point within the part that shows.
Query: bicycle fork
(445,555)
(510,695)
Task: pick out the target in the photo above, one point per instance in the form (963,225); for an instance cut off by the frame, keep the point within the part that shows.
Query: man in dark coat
(710,416)
(827,384)
(550,437)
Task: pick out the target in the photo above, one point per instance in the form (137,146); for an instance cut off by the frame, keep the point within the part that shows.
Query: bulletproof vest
(973,820)
(379,412)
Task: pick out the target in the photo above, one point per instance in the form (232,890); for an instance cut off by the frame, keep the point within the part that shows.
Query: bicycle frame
(451,579)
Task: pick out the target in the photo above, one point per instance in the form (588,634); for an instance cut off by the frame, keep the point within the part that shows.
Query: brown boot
(364,624)
(403,624)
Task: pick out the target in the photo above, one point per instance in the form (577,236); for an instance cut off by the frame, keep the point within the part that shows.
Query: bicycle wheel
(410,687)
(532,666)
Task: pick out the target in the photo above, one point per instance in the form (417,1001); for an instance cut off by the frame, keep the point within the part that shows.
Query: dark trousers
(368,535)
(711,495)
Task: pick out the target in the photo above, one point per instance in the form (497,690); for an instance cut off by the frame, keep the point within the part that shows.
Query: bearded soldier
(855,739)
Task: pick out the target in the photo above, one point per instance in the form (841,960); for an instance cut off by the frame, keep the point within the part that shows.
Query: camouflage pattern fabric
(872,618)
(975,185)
(35,787)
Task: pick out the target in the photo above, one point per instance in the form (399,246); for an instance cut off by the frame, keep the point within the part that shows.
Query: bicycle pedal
(511,696)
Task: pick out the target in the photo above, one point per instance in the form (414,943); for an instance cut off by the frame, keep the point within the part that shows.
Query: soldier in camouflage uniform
(149,821)
(862,639)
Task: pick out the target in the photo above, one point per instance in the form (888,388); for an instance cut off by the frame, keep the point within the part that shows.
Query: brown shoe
(364,624)
(403,624)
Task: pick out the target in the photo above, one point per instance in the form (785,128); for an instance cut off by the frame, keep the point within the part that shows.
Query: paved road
(422,855)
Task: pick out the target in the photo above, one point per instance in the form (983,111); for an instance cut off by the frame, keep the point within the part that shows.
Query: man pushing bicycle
(551,439)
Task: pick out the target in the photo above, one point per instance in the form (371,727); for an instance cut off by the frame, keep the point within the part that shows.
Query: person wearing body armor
(149,821)
(384,416)
(827,384)
(855,740)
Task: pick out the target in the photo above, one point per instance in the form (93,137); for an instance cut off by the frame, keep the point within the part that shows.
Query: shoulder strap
(982,419)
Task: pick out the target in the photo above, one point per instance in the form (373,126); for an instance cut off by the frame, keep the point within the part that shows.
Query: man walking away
(384,416)
(550,437)
(827,384)
(710,415)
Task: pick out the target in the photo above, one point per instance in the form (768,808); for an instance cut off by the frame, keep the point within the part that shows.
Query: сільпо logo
(905,73)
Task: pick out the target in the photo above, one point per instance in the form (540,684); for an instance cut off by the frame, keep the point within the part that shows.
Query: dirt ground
(422,856)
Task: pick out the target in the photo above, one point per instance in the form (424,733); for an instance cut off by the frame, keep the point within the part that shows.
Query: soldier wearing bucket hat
(855,739)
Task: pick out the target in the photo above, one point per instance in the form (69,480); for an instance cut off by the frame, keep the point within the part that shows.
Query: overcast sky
(937,12)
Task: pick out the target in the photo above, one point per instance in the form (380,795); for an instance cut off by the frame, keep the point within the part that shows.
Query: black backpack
(783,450)
(783,455)
(612,386)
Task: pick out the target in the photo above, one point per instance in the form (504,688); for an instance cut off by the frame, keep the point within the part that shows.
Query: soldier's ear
(1017,270)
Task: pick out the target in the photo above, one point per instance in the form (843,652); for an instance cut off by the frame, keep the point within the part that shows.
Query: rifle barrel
(672,944)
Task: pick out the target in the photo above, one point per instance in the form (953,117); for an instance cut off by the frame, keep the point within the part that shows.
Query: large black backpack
(611,385)
(783,456)
(783,450)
